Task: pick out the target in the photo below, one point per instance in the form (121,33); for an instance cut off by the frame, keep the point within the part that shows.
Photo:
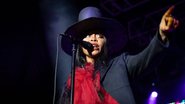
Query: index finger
(169,11)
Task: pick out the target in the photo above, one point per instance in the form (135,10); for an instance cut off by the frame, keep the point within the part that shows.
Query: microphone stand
(74,45)
(87,46)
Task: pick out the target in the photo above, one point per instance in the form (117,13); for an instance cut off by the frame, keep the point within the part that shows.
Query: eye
(100,36)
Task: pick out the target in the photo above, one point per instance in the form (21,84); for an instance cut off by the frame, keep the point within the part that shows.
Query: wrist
(162,36)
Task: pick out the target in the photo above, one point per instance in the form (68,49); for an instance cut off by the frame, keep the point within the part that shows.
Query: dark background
(29,47)
(25,67)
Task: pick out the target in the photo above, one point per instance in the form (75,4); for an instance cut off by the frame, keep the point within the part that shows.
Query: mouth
(96,46)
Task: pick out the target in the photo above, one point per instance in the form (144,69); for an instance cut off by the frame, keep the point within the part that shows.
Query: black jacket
(124,68)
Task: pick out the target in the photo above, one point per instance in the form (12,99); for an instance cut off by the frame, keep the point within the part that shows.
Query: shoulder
(119,59)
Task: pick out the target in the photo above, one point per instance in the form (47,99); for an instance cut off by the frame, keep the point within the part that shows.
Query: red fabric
(87,87)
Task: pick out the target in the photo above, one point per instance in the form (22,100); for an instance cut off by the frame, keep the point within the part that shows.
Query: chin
(95,53)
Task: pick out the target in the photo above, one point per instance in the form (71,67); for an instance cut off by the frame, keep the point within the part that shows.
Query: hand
(168,23)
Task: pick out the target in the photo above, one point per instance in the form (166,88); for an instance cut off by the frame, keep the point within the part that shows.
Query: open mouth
(96,46)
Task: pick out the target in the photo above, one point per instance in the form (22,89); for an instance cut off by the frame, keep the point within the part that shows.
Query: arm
(151,56)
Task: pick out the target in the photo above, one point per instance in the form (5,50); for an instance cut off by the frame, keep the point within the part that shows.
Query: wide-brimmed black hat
(90,19)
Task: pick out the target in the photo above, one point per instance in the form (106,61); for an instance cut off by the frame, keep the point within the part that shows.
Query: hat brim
(113,31)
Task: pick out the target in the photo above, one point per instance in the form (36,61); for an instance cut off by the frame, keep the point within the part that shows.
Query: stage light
(154,94)
(153,98)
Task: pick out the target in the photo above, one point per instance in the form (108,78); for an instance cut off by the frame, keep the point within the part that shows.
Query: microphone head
(87,45)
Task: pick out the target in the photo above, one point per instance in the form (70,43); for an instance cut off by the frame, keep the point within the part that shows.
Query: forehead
(90,32)
(94,34)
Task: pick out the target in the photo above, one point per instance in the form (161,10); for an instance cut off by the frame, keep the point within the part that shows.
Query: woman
(101,78)
(88,89)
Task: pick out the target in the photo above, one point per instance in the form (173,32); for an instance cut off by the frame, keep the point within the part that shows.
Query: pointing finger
(169,11)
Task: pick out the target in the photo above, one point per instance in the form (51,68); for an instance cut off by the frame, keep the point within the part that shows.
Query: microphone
(86,45)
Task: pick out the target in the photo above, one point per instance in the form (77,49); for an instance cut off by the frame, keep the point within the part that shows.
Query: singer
(102,78)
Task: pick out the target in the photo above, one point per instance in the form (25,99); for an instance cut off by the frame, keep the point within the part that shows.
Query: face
(98,41)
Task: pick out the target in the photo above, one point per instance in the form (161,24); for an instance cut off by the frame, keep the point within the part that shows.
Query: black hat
(90,19)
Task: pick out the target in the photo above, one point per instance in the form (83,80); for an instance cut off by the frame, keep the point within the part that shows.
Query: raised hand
(168,23)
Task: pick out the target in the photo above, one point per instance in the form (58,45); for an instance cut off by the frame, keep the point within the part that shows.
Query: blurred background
(33,68)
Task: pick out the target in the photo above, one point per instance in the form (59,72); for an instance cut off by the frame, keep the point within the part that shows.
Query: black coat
(124,68)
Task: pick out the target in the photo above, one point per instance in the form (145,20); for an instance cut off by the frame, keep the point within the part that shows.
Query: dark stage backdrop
(26,73)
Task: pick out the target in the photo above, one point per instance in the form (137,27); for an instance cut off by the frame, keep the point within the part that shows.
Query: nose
(93,37)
